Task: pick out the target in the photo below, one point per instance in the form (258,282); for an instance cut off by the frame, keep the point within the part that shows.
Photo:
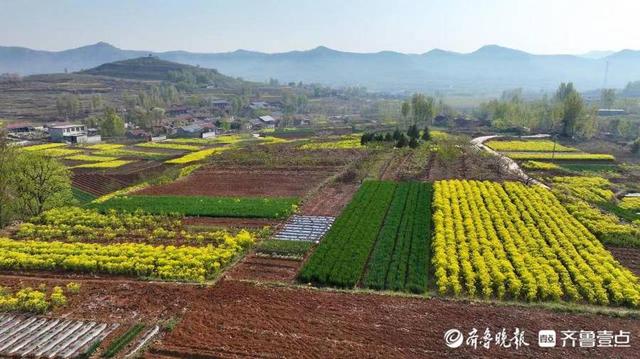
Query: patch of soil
(471,165)
(212,181)
(241,319)
(114,299)
(254,267)
(628,257)
(329,200)
(395,166)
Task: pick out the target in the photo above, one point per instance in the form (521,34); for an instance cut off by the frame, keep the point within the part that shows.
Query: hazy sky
(538,26)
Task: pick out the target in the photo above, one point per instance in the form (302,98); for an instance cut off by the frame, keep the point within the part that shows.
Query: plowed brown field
(241,319)
(244,181)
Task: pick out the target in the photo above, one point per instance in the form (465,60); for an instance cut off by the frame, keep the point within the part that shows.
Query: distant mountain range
(489,69)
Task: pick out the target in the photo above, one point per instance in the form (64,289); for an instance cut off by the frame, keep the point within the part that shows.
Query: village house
(72,133)
(197,130)
(221,105)
(263,122)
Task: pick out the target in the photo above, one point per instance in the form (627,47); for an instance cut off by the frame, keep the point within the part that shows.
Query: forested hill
(153,68)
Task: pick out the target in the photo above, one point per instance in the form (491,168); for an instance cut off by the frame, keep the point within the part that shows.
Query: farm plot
(564,156)
(195,264)
(305,228)
(48,337)
(513,241)
(169,146)
(529,146)
(385,228)
(239,207)
(343,254)
(244,181)
(241,319)
(400,258)
(73,224)
(591,201)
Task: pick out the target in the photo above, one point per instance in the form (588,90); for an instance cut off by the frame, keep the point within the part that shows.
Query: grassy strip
(107,164)
(119,152)
(90,158)
(169,146)
(242,207)
(122,342)
(89,352)
(281,248)
(342,255)
(529,146)
(608,167)
(562,156)
(82,196)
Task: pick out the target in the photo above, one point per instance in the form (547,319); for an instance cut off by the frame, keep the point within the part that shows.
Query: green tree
(40,183)
(607,98)
(7,169)
(423,108)
(564,90)
(635,147)
(396,134)
(426,134)
(405,110)
(572,107)
(111,124)
(68,105)
(413,131)
(413,142)
(402,142)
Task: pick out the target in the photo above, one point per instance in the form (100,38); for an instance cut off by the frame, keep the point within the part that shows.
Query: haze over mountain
(489,69)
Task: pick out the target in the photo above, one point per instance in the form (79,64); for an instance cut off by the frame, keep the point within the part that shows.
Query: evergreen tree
(413,132)
(402,142)
(426,135)
(413,143)
(397,134)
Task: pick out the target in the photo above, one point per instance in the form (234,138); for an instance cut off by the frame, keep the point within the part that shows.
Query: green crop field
(243,207)
(383,234)
(400,258)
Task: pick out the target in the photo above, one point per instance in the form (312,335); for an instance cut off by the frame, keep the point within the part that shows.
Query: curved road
(510,164)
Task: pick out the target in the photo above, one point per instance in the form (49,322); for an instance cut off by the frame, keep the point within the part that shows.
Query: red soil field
(253,267)
(628,257)
(329,200)
(238,319)
(114,299)
(212,181)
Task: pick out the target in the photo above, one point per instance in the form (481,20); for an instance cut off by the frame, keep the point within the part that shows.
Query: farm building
(72,134)
(196,131)
(221,105)
(263,122)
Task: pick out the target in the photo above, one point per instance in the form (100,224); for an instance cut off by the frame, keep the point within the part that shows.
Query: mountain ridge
(490,68)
